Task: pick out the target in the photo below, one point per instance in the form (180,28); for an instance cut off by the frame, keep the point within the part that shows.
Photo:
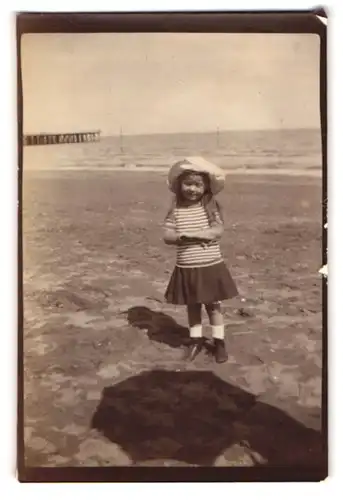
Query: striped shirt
(198,254)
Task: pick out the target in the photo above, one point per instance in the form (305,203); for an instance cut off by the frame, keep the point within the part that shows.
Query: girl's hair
(211,205)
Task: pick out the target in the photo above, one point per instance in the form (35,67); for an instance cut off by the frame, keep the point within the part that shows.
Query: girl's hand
(185,236)
(199,236)
(190,236)
(185,239)
(195,238)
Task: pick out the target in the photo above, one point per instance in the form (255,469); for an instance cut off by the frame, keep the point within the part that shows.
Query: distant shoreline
(237,171)
(212,132)
(223,132)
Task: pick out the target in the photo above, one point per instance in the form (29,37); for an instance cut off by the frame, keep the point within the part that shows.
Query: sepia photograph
(172,250)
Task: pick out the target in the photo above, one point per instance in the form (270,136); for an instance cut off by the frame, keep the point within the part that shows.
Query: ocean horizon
(249,149)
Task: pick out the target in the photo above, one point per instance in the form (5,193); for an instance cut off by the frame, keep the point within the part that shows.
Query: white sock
(195,331)
(218,331)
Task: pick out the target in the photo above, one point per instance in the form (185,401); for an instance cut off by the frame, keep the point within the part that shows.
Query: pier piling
(67,138)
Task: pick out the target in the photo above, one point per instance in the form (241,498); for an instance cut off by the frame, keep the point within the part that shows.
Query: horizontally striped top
(193,218)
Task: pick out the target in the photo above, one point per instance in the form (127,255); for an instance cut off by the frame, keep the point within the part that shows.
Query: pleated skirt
(200,285)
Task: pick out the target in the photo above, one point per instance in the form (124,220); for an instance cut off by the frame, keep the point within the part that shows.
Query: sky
(147,83)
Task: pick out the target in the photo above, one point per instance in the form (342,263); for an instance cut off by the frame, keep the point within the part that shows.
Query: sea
(298,150)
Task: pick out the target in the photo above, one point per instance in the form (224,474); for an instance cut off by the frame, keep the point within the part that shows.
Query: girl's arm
(214,232)
(170,235)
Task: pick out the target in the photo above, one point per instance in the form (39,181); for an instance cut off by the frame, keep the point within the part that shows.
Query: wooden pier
(68,138)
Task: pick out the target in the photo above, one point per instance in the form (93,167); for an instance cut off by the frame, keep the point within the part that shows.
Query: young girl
(194,225)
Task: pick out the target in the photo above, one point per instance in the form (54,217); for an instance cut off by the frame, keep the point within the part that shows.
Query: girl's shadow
(159,326)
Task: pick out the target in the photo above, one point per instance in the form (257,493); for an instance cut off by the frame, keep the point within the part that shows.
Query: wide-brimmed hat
(200,165)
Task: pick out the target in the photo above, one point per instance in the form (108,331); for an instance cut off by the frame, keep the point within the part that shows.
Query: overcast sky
(147,83)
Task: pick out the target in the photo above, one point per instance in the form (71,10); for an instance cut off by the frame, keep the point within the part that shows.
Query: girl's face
(193,187)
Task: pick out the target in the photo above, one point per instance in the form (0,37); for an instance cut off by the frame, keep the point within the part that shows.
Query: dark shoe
(220,353)
(193,349)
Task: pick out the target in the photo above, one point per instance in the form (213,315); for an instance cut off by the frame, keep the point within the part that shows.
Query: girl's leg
(216,320)
(194,320)
(217,324)
(195,330)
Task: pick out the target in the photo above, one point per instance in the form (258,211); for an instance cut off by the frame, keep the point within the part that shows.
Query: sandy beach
(97,330)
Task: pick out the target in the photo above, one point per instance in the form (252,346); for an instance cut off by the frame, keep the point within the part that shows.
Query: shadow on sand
(160,327)
(194,417)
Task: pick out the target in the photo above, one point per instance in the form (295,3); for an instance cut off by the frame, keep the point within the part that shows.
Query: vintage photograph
(172,250)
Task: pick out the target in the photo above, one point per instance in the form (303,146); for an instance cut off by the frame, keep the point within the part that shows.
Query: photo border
(302,21)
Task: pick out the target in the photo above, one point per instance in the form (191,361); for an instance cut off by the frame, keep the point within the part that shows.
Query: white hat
(197,164)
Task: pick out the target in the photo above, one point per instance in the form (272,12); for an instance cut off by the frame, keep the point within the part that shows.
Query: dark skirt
(200,285)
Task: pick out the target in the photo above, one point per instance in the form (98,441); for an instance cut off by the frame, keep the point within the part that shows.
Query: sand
(105,383)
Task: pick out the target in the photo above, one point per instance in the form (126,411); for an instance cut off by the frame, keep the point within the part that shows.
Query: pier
(67,138)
